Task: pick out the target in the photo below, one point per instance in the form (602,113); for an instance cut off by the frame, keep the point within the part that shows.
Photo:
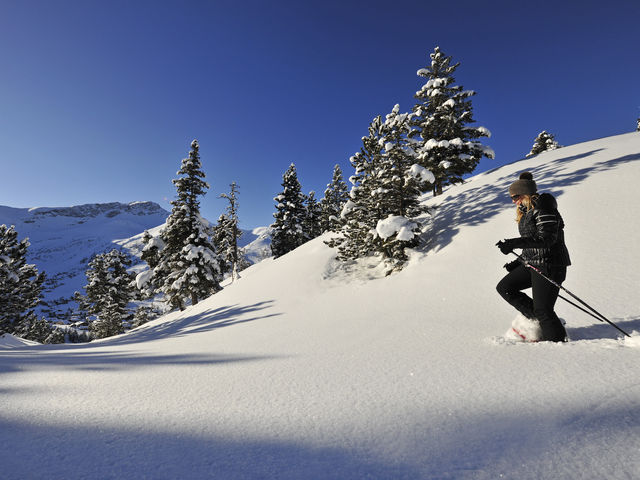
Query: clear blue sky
(99,100)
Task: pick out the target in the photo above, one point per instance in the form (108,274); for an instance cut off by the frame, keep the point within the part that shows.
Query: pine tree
(544,141)
(20,284)
(447,146)
(222,240)
(150,252)
(107,295)
(188,266)
(381,216)
(144,314)
(638,125)
(359,214)
(335,197)
(313,219)
(231,232)
(398,197)
(148,282)
(288,229)
(39,330)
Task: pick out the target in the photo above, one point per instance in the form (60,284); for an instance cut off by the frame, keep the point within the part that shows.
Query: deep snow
(305,368)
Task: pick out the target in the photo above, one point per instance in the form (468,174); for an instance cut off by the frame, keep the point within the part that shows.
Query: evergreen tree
(188,266)
(39,330)
(287,232)
(144,314)
(222,241)
(150,252)
(381,216)
(231,232)
(108,292)
(20,284)
(335,197)
(313,219)
(543,142)
(638,125)
(359,214)
(447,146)
(148,282)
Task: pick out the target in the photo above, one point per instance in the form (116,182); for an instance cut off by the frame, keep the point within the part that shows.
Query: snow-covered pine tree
(287,232)
(638,125)
(543,142)
(39,330)
(148,282)
(359,216)
(313,219)
(144,314)
(446,145)
(231,233)
(152,245)
(381,216)
(221,240)
(20,284)
(188,266)
(107,295)
(398,196)
(335,197)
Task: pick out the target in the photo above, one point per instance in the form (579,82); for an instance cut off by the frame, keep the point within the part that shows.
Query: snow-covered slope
(306,369)
(64,239)
(256,244)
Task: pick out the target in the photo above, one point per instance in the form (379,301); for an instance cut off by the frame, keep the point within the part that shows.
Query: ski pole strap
(599,316)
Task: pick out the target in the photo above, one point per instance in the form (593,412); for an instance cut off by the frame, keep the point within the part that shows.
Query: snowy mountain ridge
(310,368)
(90,210)
(108,209)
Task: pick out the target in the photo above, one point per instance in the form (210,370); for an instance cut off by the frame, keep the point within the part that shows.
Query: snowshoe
(524,329)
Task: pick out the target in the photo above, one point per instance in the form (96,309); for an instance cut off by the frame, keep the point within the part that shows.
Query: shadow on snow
(43,452)
(96,355)
(197,323)
(478,205)
(603,330)
(521,444)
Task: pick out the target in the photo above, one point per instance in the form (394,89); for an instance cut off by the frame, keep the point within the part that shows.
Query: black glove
(507,246)
(511,266)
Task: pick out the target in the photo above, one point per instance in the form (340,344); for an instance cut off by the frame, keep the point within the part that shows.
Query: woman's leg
(545,295)
(511,286)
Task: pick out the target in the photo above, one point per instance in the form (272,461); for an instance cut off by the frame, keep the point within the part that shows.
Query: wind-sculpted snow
(310,368)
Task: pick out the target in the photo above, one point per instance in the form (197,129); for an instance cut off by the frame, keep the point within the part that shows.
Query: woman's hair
(527,203)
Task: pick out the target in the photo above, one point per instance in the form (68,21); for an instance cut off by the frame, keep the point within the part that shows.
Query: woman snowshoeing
(541,231)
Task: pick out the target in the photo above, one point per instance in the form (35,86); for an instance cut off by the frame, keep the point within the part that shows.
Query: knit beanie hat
(524,185)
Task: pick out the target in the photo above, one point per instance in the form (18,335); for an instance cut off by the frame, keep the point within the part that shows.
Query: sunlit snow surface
(306,368)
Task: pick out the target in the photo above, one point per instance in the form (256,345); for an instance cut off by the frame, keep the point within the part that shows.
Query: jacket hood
(546,201)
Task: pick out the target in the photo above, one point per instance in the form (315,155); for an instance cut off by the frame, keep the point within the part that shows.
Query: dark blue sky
(99,100)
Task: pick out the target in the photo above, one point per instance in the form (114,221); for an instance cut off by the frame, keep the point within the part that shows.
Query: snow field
(305,368)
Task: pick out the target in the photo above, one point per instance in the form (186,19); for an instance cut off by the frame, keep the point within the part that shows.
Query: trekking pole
(580,308)
(599,316)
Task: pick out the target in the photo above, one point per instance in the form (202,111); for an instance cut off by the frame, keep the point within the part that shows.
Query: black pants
(544,295)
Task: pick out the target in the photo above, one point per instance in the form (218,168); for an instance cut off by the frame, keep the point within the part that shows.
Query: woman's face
(517,199)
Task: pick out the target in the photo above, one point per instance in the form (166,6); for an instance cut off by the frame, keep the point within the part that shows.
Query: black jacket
(542,234)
